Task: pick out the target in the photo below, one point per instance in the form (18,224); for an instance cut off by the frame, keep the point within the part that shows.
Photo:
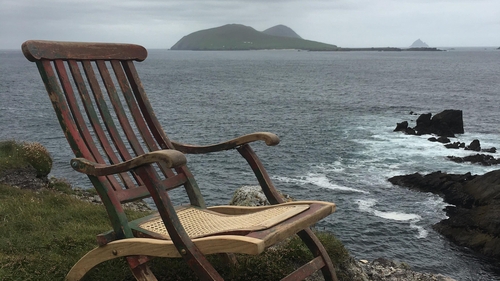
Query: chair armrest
(170,157)
(270,139)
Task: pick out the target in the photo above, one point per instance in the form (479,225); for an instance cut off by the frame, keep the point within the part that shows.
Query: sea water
(334,112)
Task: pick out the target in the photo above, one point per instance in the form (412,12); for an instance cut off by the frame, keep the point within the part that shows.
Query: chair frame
(125,171)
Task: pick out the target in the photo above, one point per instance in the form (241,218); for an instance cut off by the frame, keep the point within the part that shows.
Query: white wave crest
(319,180)
(366,205)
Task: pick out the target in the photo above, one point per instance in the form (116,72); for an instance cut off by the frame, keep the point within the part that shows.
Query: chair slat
(144,109)
(107,118)
(89,109)
(134,109)
(136,113)
(145,106)
(122,119)
(63,113)
(128,195)
(120,114)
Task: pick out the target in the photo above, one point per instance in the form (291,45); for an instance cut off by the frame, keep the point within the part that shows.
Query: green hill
(241,37)
(281,30)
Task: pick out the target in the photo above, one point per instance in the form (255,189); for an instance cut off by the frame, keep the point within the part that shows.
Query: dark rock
(456,159)
(455,145)
(445,124)
(443,140)
(448,122)
(490,150)
(401,127)
(423,124)
(483,159)
(474,221)
(433,139)
(475,145)
(410,131)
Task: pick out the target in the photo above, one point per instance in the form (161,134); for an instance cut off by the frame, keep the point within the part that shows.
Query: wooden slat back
(100,79)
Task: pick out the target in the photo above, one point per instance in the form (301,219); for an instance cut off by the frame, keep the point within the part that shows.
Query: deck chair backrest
(105,115)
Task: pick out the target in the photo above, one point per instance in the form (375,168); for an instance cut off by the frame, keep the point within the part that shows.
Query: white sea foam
(319,180)
(366,205)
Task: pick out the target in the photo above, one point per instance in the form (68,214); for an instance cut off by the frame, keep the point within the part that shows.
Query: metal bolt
(183,251)
(115,252)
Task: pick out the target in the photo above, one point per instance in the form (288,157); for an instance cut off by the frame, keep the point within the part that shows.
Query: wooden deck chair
(110,125)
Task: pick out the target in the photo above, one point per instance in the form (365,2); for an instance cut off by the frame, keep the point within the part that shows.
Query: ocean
(334,112)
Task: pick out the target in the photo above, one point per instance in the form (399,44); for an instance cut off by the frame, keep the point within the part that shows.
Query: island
(236,37)
(241,37)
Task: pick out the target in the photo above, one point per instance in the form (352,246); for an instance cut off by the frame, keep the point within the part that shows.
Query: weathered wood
(318,250)
(238,210)
(119,143)
(260,172)
(305,270)
(141,192)
(143,273)
(35,50)
(270,139)
(162,248)
(171,158)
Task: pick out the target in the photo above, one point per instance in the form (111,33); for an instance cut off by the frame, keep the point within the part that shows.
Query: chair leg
(143,273)
(140,269)
(317,249)
(229,258)
(201,266)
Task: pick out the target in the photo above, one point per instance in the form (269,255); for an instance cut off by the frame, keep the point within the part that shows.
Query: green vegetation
(240,37)
(45,231)
(14,155)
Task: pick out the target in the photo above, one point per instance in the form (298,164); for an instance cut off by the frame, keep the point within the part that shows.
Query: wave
(366,205)
(319,180)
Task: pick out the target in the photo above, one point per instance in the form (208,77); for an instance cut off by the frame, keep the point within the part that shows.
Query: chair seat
(230,220)
(202,222)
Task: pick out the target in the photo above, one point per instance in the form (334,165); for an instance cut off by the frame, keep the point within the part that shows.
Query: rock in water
(446,123)
(419,44)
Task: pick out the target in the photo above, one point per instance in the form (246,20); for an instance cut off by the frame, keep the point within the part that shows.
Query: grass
(15,154)
(44,232)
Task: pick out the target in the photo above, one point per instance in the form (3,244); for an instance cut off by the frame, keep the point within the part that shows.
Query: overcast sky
(346,23)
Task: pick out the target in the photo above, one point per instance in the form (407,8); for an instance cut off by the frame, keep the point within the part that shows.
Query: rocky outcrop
(419,44)
(483,159)
(445,124)
(25,178)
(386,270)
(252,195)
(474,221)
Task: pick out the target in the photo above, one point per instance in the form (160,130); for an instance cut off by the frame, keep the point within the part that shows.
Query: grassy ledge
(45,231)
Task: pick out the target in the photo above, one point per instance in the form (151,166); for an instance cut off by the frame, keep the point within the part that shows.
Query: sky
(159,24)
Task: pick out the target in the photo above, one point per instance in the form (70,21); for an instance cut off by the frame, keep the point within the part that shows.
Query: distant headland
(279,37)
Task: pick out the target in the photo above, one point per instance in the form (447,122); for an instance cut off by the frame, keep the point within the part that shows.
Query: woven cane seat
(202,222)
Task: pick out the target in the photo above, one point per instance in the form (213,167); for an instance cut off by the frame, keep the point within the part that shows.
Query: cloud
(159,24)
